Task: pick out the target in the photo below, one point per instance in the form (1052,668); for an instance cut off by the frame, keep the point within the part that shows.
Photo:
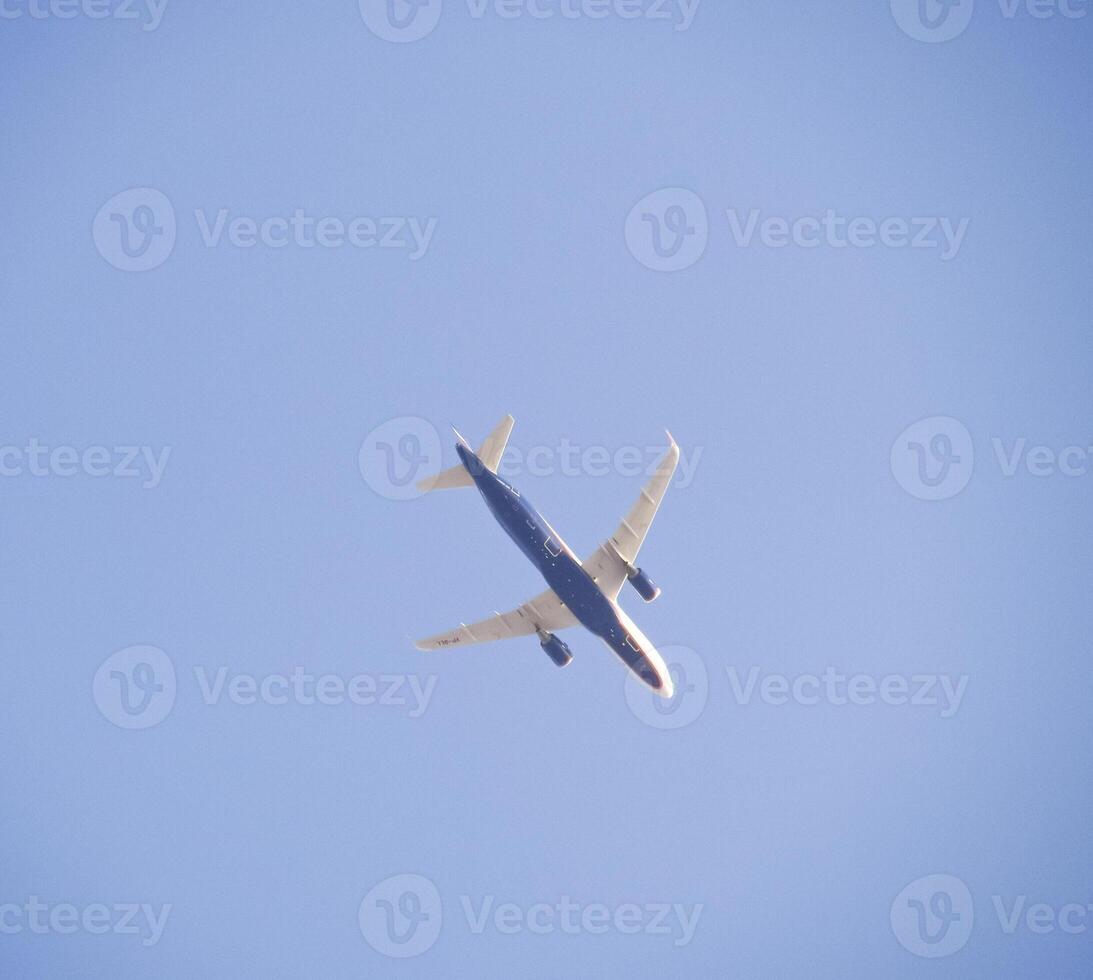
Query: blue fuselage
(558,565)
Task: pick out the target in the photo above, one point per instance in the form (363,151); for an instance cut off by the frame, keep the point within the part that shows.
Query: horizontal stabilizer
(449,479)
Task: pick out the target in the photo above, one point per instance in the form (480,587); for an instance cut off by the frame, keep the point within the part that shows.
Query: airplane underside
(581,593)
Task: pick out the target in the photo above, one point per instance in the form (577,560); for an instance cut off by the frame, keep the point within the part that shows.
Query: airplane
(581,593)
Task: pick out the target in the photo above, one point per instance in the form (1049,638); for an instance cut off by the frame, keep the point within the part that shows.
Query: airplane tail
(489,453)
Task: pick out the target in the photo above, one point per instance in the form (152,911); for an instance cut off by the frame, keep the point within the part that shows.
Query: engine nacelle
(643,585)
(556,649)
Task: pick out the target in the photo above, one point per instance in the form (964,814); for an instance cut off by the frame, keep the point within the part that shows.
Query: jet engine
(556,649)
(641,582)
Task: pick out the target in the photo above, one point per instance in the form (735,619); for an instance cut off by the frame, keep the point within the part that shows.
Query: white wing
(607,565)
(546,612)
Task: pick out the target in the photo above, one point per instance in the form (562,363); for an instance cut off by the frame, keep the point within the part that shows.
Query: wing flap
(546,612)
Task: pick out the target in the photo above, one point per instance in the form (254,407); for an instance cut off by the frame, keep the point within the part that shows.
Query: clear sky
(257,257)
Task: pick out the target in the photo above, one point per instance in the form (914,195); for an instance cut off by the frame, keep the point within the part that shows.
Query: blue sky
(255,253)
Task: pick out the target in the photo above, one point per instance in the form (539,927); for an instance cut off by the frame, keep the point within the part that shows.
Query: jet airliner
(580,593)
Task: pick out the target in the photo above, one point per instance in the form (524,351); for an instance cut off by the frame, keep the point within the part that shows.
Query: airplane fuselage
(561,568)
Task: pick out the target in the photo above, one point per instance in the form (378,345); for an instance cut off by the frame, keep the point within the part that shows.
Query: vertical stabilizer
(492,449)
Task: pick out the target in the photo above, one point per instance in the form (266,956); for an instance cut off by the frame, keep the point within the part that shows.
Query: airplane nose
(660,683)
(656,674)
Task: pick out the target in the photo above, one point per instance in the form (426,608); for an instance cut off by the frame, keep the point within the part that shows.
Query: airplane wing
(546,612)
(607,565)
